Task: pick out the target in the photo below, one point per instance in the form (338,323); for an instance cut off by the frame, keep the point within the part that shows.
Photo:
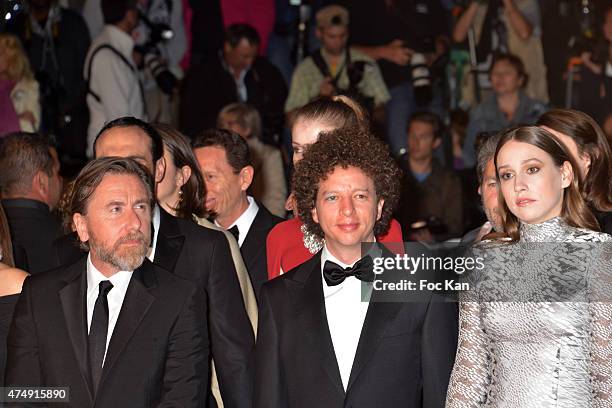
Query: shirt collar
(155,221)
(120,279)
(245,220)
(120,40)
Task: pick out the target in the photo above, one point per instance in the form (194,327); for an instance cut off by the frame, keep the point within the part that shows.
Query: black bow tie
(334,274)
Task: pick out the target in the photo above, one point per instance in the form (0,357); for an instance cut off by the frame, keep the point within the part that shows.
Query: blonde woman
(18,84)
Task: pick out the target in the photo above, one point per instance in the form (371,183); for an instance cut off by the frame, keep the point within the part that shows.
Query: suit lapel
(169,241)
(382,311)
(253,245)
(307,295)
(378,317)
(72,297)
(135,305)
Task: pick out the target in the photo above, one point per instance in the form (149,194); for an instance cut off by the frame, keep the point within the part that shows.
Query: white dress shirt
(113,81)
(155,220)
(345,316)
(245,220)
(115,296)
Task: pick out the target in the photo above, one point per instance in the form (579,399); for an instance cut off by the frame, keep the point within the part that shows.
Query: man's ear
(80,225)
(160,170)
(381,204)
(41,185)
(315,216)
(318,33)
(567,174)
(246,177)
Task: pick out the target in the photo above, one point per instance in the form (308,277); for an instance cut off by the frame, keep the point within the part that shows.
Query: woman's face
(582,160)
(304,133)
(531,184)
(505,79)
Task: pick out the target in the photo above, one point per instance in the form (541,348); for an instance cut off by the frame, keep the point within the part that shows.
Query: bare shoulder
(11,280)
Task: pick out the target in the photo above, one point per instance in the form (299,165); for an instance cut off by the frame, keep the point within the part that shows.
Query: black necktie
(334,274)
(234,231)
(98,332)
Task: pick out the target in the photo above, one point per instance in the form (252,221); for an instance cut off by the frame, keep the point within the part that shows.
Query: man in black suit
(114,328)
(236,74)
(225,161)
(30,186)
(319,344)
(195,253)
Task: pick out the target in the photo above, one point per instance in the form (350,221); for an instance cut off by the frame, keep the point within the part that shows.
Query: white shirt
(113,81)
(115,296)
(155,219)
(345,316)
(245,220)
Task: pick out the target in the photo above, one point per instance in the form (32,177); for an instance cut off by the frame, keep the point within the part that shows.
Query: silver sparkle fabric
(515,352)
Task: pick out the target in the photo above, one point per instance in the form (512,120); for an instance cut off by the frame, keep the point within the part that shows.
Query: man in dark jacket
(237,75)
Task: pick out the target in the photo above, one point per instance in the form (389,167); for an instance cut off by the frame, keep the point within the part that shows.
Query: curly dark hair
(346,147)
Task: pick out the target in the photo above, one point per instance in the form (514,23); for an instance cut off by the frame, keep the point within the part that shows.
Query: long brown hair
(5,240)
(591,141)
(194,190)
(575,211)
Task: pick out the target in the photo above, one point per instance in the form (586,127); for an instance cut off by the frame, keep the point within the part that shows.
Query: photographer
(336,69)
(112,76)
(503,26)
(408,39)
(56,41)
(160,44)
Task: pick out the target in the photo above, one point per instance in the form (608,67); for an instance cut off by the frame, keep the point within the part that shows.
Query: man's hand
(588,62)
(327,89)
(396,52)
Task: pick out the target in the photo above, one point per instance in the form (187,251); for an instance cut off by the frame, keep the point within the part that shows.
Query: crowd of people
(192,213)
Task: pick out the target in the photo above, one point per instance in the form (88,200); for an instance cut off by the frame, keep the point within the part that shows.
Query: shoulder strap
(93,54)
(317,58)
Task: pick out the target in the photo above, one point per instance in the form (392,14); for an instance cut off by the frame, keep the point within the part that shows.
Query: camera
(421,79)
(158,33)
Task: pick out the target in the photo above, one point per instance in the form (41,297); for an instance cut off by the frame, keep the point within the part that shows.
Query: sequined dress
(514,352)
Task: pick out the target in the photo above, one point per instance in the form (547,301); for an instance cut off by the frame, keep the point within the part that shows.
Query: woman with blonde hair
(19,91)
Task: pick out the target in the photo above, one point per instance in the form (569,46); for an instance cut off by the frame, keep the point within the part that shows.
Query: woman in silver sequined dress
(536,328)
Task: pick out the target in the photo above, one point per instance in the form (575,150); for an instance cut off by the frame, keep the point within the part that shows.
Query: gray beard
(127,261)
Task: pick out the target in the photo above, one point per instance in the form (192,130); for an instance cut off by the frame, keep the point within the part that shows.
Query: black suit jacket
(253,248)
(202,255)
(33,230)
(158,352)
(404,357)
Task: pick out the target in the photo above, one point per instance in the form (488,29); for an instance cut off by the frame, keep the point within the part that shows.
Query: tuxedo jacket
(404,357)
(157,355)
(33,229)
(202,255)
(253,248)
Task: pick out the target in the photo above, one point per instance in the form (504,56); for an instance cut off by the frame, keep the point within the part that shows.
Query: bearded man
(114,328)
